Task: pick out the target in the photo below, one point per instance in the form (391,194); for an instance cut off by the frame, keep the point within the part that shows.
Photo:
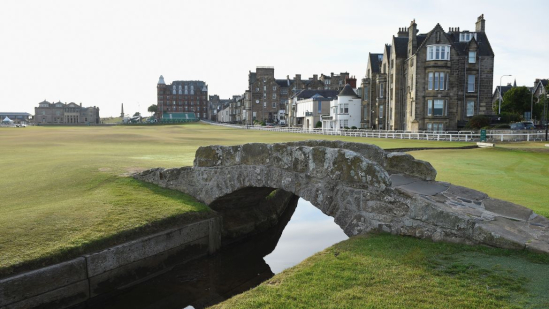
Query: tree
(516,101)
(152,109)
(137,114)
(478,122)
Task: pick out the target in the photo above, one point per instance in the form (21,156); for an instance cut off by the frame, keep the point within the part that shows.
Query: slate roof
(284,82)
(375,62)
(348,92)
(309,93)
(401,47)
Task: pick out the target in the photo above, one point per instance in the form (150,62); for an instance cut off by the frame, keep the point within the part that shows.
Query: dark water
(234,270)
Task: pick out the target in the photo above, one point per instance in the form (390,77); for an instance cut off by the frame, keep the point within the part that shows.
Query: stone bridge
(361,186)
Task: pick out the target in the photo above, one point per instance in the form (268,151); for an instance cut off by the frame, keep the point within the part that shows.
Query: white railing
(452,136)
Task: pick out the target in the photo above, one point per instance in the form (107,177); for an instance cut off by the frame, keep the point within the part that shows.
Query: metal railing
(451,136)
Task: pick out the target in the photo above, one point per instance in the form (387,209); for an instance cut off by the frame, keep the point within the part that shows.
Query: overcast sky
(104,53)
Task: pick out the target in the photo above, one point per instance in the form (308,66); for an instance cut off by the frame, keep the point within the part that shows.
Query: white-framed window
(470,108)
(472,57)
(437,108)
(438,52)
(192,89)
(174,89)
(274,88)
(343,108)
(264,95)
(274,95)
(319,107)
(264,88)
(381,90)
(381,111)
(467,36)
(274,104)
(173,102)
(470,83)
(264,104)
(344,123)
(437,81)
(180,89)
(186,90)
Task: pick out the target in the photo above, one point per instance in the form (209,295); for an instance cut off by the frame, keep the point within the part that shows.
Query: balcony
(307,114)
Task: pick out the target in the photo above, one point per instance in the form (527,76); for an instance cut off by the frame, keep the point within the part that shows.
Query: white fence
(461,136)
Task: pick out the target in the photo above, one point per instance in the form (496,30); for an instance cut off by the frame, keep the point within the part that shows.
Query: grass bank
(385,271)
(65,190)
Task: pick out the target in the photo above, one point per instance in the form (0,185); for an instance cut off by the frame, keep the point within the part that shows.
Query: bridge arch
(361,186)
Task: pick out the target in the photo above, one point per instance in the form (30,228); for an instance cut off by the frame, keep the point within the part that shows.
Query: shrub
(318,124)
(477,122)
(502,126)
(353,127)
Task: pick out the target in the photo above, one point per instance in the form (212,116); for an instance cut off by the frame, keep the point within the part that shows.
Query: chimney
(412,40)
(402,32)
(351,81)
(332,74)
(481,24)
(315,76)
(298,77)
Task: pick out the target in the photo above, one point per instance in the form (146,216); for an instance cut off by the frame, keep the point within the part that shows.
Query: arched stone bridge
(363,187)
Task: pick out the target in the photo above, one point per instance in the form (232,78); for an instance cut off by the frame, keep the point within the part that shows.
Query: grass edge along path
(387,271)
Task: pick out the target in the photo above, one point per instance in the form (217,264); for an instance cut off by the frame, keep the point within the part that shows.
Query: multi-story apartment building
(182,96)
(434,81)
(267,97)
(65,113)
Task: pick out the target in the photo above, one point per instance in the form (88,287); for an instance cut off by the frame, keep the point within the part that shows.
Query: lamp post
(545,116)
(500,95)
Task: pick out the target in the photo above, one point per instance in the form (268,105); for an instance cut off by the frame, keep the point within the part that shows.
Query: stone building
(434,81)
(65,113)
(267,97)
(182,96)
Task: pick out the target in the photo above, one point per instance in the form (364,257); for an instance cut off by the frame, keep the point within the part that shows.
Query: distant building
(182,96)
(305,108)
(435,81)
(16,117)
(345,111)
(65,113)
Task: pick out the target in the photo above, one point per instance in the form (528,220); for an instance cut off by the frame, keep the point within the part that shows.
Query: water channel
(238,268)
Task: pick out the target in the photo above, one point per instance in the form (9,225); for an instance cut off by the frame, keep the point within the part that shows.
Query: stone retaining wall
(100,274)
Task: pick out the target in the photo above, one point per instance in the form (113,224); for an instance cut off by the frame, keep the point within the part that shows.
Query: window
(264,95)
(192,89)
(343,108)
(467,36)
(274,88)
(472,57)
(438,52)
(274,95)
(381,90)
(264,88)
(470,83)
(319,107)
(344,123)
(436,108)
(186,90)
(174,88)
(180,89)
(381,111)
(470,108)
(274,104)
(435,127)
(437,81)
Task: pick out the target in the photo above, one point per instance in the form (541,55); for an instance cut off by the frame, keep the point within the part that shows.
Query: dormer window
(438,52)
(467,36)
(472,57)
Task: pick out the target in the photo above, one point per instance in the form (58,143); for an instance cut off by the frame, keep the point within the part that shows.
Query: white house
(345,111)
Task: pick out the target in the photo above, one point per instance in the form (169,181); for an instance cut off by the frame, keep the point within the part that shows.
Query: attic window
(467,36)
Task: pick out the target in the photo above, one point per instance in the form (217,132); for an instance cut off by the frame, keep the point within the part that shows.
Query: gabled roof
(309,93)
(401,47)
(348,92)
(375,62)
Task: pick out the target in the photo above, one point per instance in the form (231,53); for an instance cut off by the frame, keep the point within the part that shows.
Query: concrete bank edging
(99,274)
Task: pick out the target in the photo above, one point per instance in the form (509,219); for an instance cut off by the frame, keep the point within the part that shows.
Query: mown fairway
(64,190)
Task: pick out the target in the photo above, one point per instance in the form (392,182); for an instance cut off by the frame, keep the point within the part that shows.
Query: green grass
(513,172)
(65,190)
(385,271)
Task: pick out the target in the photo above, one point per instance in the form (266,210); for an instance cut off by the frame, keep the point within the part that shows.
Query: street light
(500,95)
(545,116)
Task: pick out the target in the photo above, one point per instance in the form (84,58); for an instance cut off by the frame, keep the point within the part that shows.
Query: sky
(105,53)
